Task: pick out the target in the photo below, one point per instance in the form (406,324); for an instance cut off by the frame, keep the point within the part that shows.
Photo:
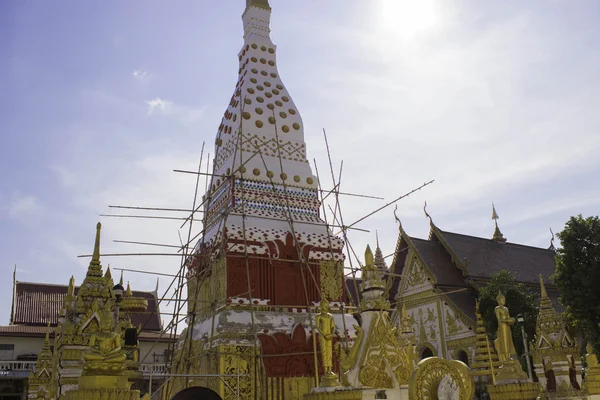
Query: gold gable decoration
(331,279)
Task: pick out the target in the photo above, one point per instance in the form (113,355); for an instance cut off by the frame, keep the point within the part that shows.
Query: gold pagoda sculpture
(91,358)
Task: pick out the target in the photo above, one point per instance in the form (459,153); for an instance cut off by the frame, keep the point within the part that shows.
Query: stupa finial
(96,255)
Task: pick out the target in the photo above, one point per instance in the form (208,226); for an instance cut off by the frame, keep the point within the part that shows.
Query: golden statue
(105,346)
(504,343)
(326,328)
(590,357)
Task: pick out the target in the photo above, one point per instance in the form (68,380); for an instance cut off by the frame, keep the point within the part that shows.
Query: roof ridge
(490,240)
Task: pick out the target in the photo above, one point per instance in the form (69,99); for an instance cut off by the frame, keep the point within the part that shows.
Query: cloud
(142,75)
(21,205)
(158,104)
(184,114)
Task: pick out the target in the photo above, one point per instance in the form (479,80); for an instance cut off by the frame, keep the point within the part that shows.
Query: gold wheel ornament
(426,379)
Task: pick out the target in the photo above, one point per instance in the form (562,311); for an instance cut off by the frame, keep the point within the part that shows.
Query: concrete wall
(23,345)
(33,345)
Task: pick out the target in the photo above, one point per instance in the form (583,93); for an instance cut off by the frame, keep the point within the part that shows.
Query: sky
(101,101)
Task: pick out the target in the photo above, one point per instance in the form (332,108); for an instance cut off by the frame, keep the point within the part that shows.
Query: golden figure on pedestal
(326,329)
(504,343)
(104,354)
(105,345)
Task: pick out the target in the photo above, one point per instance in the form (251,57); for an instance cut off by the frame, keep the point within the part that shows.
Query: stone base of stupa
(334,393)
(100,387)
(514,390)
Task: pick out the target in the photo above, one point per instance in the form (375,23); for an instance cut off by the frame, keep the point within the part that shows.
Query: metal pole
(526,351)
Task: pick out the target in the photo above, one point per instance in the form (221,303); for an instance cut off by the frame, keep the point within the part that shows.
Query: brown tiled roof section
(486,257)
(448,277)
(36,304)
(23,330)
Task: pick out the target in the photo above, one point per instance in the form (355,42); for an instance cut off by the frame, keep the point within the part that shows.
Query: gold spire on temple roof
(71,288)
(95,269)
(369,257)
(497,237)
(258,3)
(96,255)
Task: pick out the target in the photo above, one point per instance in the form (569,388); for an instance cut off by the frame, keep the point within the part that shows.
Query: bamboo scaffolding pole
(147,244)
(150,208)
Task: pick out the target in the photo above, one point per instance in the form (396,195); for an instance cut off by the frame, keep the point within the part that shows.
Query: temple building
(437,278)
(49,324)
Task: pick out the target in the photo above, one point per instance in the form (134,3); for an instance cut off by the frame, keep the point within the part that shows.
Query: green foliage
(519,300)
(578,275)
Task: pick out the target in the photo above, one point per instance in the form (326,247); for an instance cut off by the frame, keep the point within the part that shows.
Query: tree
(577,275)
(519,300)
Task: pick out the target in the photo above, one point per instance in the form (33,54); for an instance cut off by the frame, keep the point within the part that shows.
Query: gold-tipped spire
(95,269)
(497,237)
(96,255)
(543,287)
(369,257)
(128,292)
(121,280)
(71,289)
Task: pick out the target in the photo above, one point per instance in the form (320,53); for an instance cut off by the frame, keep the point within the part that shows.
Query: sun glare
(408,17)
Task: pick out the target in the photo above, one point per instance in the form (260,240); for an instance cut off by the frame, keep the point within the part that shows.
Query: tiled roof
(23,330)
(486,257)
(36,304)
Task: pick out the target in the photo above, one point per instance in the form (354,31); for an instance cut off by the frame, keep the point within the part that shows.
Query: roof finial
(396,217)
(552,241)
(121,281)
(427,214)
(96,255)
(497,237)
